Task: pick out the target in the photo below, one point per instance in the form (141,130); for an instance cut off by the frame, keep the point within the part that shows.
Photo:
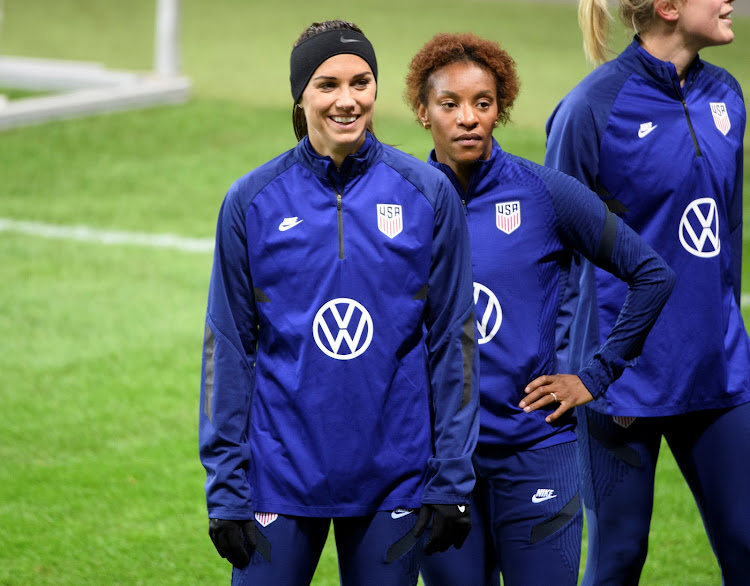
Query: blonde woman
(658,132)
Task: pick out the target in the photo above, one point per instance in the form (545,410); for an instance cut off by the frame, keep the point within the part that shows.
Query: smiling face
(461,112)
(338,104)
(706,23)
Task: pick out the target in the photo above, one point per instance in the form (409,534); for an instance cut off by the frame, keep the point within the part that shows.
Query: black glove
(227,538)
(450,526)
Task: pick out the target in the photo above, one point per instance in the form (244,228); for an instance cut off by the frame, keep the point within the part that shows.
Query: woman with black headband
(338,354)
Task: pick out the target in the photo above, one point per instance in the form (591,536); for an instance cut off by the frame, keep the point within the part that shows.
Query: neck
(665,43)
(337,153)
(462,173)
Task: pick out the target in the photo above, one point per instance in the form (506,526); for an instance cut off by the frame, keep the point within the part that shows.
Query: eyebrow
(364,73)
(450,94)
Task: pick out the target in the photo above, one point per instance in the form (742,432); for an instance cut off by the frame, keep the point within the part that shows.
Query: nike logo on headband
(343,39)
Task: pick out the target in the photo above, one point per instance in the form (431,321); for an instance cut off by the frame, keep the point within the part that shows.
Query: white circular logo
(330,316)
(492,316)
(699,228)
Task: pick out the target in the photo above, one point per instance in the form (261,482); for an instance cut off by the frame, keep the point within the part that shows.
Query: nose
(466,116)
(344,98)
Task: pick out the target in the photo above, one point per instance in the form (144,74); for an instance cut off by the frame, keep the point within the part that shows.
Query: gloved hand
(450,526)
(227,538)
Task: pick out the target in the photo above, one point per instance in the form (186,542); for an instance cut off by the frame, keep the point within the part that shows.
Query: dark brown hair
(446,48)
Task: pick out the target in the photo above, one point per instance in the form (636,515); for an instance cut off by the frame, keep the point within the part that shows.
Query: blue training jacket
(338,356)
(668,160)
(526,222)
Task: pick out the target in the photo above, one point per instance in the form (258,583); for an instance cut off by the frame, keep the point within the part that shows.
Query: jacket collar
(481,171)
(664,73)
(356,164)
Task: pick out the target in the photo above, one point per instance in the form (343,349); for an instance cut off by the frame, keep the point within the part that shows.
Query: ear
(423,116)
(669,10)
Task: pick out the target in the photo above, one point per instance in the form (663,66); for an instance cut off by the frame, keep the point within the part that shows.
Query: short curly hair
(446,48)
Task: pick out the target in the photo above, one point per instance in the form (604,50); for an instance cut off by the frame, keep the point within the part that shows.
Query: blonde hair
(595,20)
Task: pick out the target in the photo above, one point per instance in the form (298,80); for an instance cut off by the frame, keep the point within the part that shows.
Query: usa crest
(721,117)
(508,216)
(265,519)
(390,219)
(623,421)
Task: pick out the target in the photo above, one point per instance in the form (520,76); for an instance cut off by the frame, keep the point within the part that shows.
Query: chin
(468,157)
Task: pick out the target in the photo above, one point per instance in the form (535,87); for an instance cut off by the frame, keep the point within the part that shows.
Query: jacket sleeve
(452,362)
(227,372)
(587,225)
(735,224)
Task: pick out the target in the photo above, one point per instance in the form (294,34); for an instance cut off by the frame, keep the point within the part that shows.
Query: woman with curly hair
(526,224)
(658,132)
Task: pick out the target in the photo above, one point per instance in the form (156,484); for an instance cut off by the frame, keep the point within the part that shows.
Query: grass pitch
(100,481)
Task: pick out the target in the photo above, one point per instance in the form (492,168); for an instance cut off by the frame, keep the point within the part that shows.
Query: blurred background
(106,225)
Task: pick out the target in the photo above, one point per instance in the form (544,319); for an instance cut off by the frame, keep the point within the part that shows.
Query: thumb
(248,529)
(425,512)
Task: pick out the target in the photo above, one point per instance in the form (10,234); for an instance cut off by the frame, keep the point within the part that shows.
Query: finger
(422,520)
(248,529)
(437,535)
(539,399)
(557,412)
(233,548)
(538,382)
(238,556)
(460,539)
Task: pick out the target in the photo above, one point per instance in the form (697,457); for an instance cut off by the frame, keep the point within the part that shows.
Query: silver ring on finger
(554,397)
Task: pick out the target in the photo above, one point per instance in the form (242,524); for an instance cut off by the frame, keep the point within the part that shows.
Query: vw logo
(489,321)
(329,317)
(699,228)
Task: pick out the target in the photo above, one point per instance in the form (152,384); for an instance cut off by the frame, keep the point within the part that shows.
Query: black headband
(310,53)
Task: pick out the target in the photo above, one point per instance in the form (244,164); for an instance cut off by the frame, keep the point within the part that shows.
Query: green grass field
(100,481)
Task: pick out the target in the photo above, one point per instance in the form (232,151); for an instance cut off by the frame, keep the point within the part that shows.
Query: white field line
(87,234)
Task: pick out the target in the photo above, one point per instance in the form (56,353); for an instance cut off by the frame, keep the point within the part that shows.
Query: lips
(468,139)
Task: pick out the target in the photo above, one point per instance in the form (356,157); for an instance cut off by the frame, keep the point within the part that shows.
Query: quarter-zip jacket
(526,222)
(340,317)
(668,160)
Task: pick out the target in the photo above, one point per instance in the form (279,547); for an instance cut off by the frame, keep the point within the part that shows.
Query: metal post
(166,51)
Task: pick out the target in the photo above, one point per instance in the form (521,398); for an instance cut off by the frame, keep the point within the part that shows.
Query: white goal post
(91,88)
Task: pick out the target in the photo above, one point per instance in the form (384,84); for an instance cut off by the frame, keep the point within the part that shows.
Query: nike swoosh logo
(461,508)
(288,223)
(645,130)
(399,514)
(538,499)
(343,39)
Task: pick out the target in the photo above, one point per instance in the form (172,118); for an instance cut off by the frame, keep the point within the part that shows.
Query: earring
(495,123)
(426,124)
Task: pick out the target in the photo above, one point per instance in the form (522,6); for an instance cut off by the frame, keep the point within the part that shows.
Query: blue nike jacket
(668,160)
(526,222)
(338,359)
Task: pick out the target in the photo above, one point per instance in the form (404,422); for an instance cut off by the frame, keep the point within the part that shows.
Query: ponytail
(594,19)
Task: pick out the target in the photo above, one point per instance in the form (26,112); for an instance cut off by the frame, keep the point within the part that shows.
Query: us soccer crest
(390,219)
(623,421)
(508,216)
(265,519)
(721,117)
